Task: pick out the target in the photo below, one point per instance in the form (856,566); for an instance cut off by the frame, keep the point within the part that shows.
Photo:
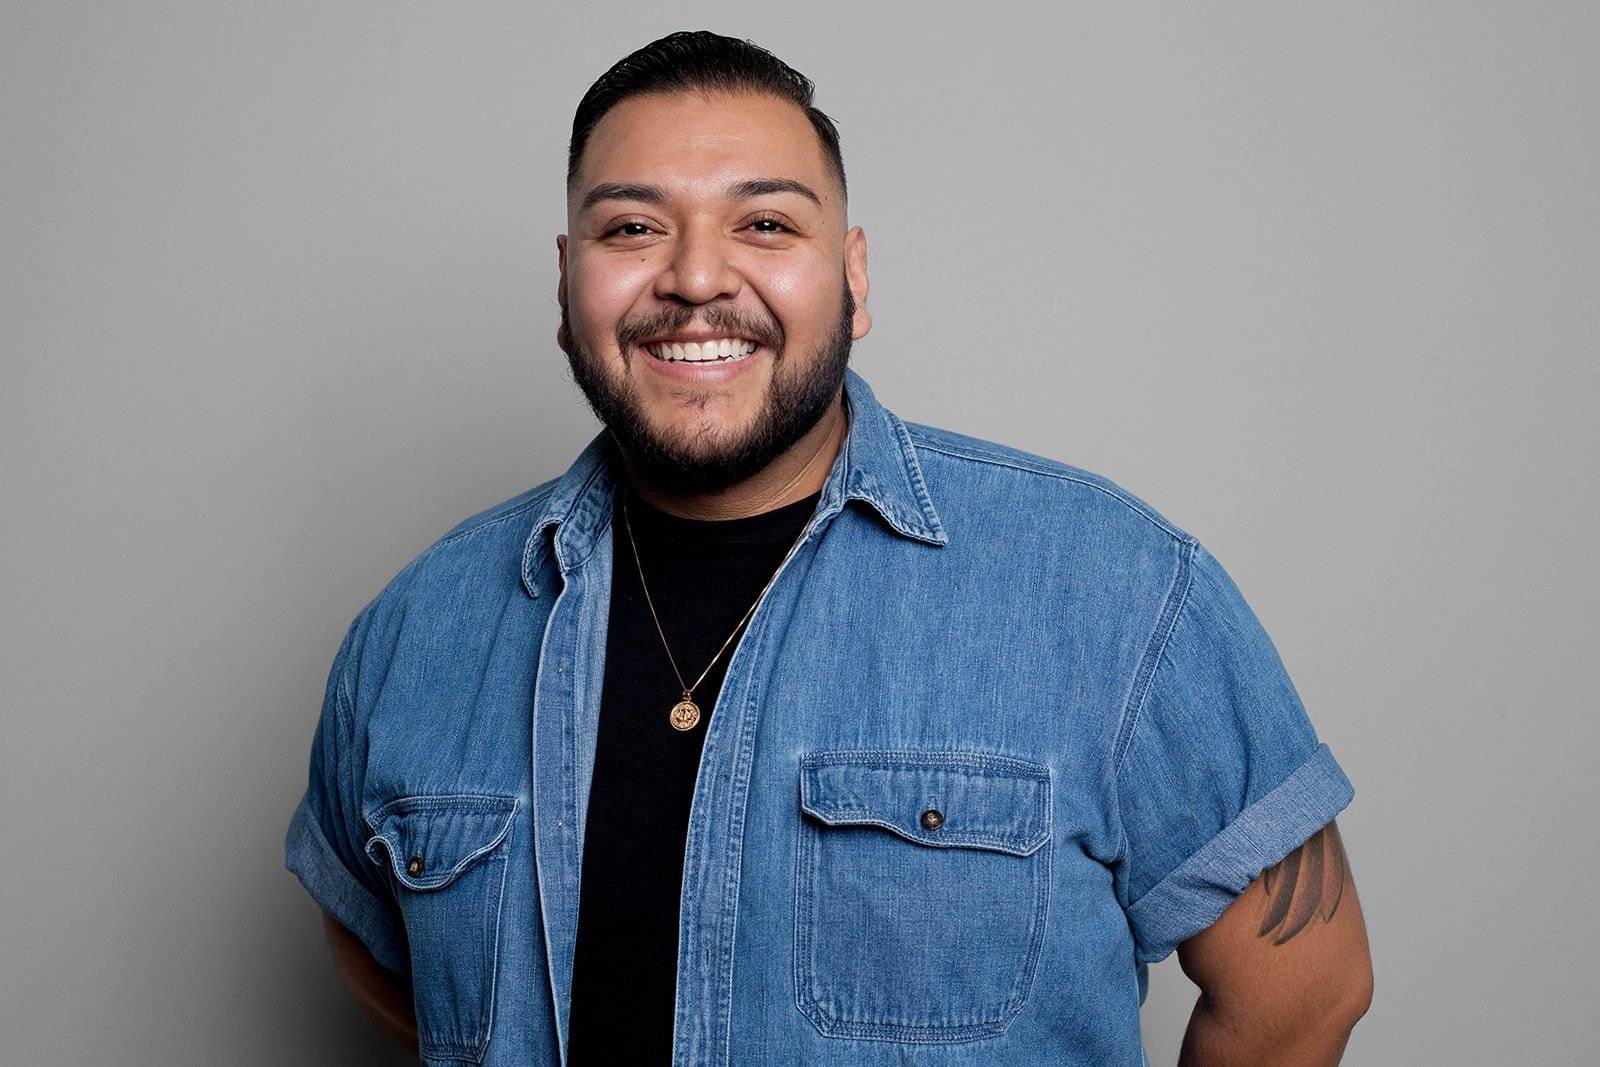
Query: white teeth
(720,350)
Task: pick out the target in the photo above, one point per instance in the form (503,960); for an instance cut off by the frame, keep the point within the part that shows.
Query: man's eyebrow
(653,194)
(762,186)
(644,194)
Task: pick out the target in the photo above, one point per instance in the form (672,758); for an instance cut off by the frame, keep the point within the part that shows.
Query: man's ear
(561,268)
(563,340)
(855,269)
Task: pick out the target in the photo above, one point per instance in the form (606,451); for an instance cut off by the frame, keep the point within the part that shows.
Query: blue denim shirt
(997,737)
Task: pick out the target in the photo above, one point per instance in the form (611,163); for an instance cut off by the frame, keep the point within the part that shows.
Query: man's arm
(384,995)
(1285,971)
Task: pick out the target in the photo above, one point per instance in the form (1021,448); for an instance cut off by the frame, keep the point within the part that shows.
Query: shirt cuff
(312,859)
(1192,897)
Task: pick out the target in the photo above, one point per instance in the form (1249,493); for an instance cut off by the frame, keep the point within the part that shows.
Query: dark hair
(699,60)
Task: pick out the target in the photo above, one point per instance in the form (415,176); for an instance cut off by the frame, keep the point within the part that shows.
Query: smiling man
(779,729)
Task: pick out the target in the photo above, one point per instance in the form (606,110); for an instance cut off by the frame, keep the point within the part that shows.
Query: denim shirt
(997,737)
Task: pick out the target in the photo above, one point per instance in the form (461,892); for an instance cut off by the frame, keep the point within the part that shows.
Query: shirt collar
(876,464)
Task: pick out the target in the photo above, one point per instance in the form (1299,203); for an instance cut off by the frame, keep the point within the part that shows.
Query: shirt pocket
(446,858)
(922,883)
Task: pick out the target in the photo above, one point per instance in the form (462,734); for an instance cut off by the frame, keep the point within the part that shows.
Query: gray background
(277,307)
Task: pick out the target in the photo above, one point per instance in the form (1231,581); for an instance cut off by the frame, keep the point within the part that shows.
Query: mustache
(723,320)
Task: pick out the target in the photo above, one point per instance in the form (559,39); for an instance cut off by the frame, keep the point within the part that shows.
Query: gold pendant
(685,714)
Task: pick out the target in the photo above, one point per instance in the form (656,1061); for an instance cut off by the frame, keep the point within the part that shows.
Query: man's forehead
(717,144)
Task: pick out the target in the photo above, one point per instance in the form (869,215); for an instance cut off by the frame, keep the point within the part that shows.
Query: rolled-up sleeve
(1221,774)
(323,847)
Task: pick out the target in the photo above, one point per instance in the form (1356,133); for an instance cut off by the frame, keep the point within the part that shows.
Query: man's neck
(795,474)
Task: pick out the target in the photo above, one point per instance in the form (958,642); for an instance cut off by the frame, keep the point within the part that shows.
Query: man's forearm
(383,995)
(1215,1040)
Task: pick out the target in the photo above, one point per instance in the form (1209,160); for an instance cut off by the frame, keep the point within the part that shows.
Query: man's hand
(384,995)
(1285,972)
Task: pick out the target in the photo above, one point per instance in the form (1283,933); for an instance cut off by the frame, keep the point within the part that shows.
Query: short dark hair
(699,60)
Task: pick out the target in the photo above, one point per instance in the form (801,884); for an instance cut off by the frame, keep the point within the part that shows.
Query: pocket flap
(432,839)
(981,801)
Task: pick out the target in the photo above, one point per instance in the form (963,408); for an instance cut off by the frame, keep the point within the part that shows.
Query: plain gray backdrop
(277,304)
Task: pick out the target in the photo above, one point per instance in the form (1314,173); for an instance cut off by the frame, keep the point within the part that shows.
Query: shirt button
(932,819)
(414,868)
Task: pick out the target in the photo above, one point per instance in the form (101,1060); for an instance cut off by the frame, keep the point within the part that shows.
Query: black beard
(793,406)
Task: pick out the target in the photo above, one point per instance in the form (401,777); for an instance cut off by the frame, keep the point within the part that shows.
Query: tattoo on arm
(1309,880)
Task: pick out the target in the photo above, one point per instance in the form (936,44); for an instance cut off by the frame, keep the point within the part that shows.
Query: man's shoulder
(479,557)
(526,503)
(459,584)
(987,474)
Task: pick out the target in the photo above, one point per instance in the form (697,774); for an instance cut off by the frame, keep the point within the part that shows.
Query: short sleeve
(1221,774)
(324,844)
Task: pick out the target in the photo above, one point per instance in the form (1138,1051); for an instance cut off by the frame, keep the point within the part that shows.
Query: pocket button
(932,819)
(414,867)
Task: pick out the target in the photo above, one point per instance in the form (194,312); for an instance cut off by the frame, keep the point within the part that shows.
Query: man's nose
(699,270)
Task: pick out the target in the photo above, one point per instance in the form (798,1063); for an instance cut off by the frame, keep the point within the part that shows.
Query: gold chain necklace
(685,714)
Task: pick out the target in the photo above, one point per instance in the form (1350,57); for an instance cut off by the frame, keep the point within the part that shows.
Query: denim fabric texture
(997,737)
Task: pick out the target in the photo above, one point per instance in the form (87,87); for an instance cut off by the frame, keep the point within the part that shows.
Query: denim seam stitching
(434,801)
(1122,741)
(494,953)
(345,721)
(485,523)
(541,888)
(805,968)
(1155,648)
(1047,875)
(1065,476)
(342,688)
(913,473)
(343,717)
(477,802)
(966,839)
(913,757)
(577,805)
(1036,934)
(739,787)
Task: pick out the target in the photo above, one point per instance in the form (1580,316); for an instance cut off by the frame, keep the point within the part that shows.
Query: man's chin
(702,462)
(712,430)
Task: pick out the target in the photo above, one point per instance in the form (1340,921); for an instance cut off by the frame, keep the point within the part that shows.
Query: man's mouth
(719,350)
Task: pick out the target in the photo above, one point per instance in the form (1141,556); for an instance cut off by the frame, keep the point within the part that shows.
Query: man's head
(706,200)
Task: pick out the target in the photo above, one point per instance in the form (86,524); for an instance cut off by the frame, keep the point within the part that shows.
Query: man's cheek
(618,283)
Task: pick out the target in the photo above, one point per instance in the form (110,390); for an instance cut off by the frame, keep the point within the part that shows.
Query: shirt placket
(713,849)
(566,713)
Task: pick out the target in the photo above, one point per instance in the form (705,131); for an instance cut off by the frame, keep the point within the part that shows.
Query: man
(781,730)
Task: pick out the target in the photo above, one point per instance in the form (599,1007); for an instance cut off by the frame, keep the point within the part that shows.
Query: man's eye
(640,229)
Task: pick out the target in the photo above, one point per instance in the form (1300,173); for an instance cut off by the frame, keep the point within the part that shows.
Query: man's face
(692,219)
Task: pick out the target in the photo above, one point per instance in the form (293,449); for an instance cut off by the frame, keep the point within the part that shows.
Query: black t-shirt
(703,575)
